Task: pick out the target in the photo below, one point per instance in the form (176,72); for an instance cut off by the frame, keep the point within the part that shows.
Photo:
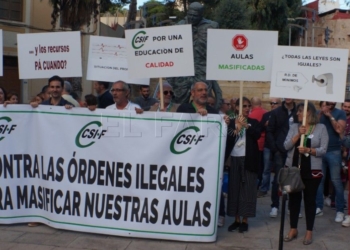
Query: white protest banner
(1,54)
(240,55)
(42,55)
(160,52)
(155,175)
(108,61)
(309,73)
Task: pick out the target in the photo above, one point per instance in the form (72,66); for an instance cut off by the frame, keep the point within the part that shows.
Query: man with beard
(56,85)
(144,100)
(334,119)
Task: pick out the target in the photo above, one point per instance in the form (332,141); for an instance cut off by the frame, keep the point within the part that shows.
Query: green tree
(273,14)
(232,14)
(76,13)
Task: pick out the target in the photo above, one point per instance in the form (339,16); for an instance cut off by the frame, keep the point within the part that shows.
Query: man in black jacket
(276,133)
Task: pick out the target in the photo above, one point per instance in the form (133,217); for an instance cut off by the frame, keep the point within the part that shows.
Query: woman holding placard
(308,156)
(242,146)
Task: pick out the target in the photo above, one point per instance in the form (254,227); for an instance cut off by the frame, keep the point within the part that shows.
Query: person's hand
(238,125)
(302,130)
(6,103)
(138,111)
(67,106)
(227,119)
(303,150)
(34,104)
(327,113)
(92,107)
(202,112)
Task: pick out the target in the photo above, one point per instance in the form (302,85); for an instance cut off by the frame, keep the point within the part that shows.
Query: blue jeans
(266,175)
(332,160)
(279,160)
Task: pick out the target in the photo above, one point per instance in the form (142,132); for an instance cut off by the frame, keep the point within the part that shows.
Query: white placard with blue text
(108,61)
(317,74)
(160,52)
(240,55)
(42,55)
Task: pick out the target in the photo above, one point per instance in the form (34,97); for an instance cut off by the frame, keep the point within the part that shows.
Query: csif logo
(7,128)
(139,39)
(88,134)
(187,136)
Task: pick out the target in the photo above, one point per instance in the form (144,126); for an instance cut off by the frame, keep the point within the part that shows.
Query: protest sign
(240,55)
(160,52)
(42,55)
(108,61)
(1,54)
(155,175)
(309,73)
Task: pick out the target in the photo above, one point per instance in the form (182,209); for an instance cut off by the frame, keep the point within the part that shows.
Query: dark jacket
(277,129)
(105,100)
(253,133)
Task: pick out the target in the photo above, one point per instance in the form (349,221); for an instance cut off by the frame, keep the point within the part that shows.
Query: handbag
(290,180)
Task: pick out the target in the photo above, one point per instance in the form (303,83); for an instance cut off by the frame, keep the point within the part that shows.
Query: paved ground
(263,234)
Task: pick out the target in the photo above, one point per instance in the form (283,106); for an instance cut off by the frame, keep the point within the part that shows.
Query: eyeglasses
(247,106)
(117,90)
(166,92)
(273,103)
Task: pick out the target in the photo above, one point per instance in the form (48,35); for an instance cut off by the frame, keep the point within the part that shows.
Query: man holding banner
(56,85)
(120,92)
(104,96)
(168,95)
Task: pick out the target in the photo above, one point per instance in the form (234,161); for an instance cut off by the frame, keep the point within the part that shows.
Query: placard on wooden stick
(240,55)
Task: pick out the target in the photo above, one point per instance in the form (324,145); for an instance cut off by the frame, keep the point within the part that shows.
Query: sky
(140,2)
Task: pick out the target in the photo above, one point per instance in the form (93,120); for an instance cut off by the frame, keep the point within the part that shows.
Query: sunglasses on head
(166,92)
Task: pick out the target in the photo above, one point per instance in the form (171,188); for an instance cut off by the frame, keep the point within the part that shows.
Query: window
(11,10)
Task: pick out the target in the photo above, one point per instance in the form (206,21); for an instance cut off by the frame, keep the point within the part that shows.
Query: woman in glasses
(242,146)
(168,104)
(309,157)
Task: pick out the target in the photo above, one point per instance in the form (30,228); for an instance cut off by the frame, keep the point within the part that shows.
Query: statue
(200,25)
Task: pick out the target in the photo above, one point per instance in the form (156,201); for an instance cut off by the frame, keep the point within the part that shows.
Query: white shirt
(239,148)
(129,106)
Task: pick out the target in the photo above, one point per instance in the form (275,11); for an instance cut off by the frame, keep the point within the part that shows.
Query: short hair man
(120,93)
(211,101)
(266,174)
(199,94)
(334,119)
(144,100)
(276,132)
(56,85)
(225,106)
(104,97)
(168,104)
(66,94)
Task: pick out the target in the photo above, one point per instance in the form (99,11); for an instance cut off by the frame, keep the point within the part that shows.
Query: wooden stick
(161,93)
(240,97)
(304,122)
